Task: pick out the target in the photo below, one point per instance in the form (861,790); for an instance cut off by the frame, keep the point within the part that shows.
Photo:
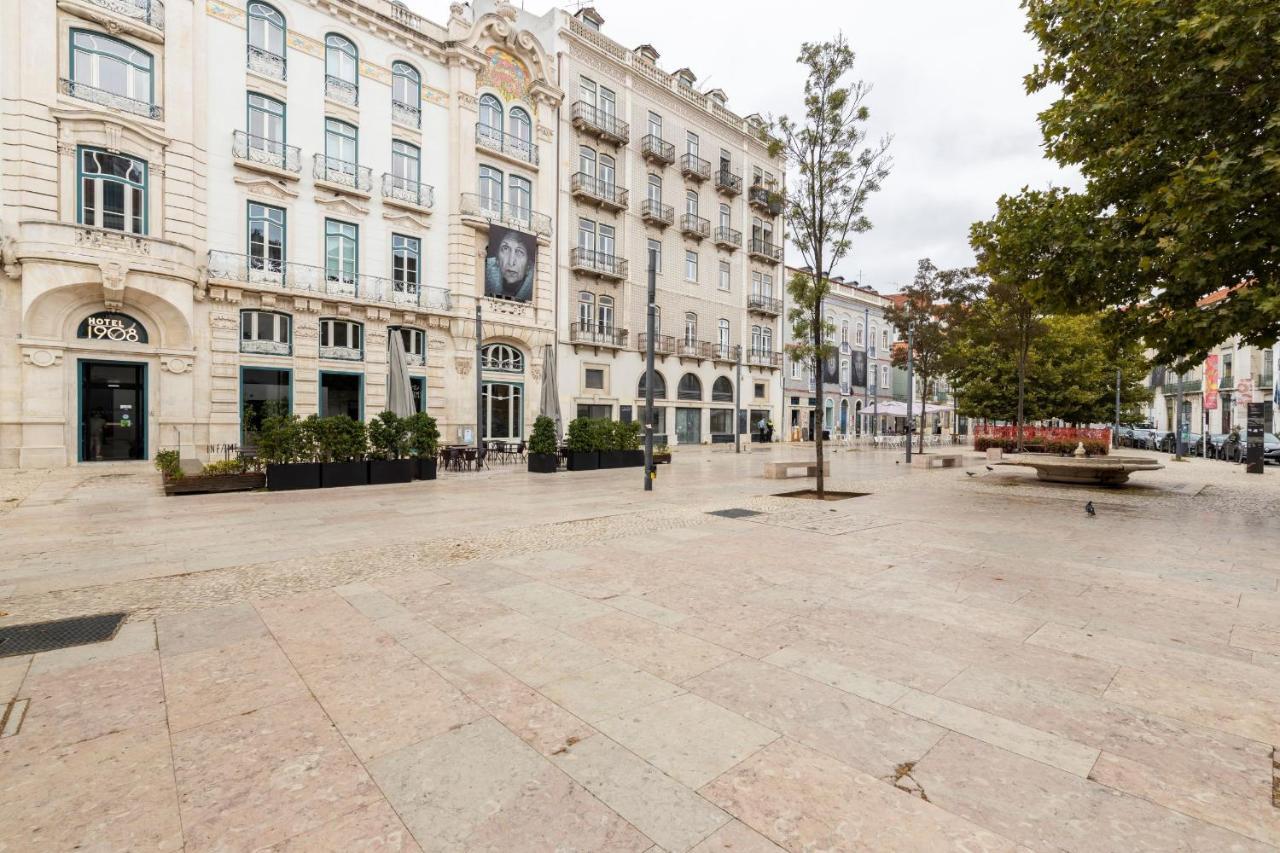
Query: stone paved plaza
(505,662)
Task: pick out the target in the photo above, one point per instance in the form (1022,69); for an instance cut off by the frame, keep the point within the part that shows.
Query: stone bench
(782,470)
(938,460)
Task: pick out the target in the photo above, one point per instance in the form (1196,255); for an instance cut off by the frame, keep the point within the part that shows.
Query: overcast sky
(948,87)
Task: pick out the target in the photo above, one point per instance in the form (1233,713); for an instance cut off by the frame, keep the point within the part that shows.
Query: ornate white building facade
(210,208)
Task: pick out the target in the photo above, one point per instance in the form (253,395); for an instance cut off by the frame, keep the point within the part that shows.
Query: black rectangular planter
(588,461)
(612,459)
(632,458)
(383,471)
(334,474)
(543,463)
(293,475)
(424,469)
(198,485)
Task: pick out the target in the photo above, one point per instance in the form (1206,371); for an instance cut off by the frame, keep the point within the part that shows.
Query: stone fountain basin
(1103,471)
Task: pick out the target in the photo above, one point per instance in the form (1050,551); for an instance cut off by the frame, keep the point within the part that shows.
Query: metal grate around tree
(37,637)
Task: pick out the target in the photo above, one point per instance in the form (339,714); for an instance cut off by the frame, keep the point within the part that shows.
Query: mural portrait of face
(510,264)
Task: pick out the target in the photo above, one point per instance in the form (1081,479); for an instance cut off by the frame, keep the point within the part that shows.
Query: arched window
(690,327)
(502,357)
(406,94)
(844,331)
(829,415)
(691,203)
(586,309)
(111,72)
(341,69)
(859,340)
(491,117)
(690,388)
(722,334)
(655,189)
(520,126)
(884,339)
(266,40)
(755,339)
(659,386)
(766,339)
(265,332)
(722,390)
(604,315)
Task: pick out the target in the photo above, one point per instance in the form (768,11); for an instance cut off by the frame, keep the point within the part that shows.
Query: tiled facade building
(210,208)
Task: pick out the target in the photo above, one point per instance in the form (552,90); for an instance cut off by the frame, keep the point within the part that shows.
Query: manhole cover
(59,634)
(735,512)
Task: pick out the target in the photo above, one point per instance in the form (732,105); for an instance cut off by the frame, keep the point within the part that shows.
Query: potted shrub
(582,441)
(607,444)
(424,445)
(228,475)
(388,450)
(627,441)
(287,446)
(661,455)
(542,447)
(342,443)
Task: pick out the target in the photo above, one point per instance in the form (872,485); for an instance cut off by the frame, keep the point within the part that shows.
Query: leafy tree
(926,317)
(1171,110)
(835,174)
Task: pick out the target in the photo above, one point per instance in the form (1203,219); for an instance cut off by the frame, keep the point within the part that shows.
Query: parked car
(1142,437)
(1271,449)
(1168,440)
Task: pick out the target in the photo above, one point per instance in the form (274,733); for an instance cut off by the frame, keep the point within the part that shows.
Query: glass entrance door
(113,411)
(503,410)
(689,426)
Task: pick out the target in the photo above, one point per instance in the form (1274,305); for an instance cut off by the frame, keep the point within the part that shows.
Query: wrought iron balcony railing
(655,150)
(758,196)
(267,152)
(149,12)
(406,114)
(729,238)
(766,250)
(693,166)
(604,193)
(601,123)
(342,91)
(343,173)
(597,263)
(656,213)
(266,63)
(690,348)
(597,334)
(726,352)
(111,100)
(764,357)
(764,304)
(662,344)
(408,191)
(508,215)
(728,183)
(695,226)
(494,139)
(304,278)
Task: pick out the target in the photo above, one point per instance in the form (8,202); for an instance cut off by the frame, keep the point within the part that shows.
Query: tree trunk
(1022,385)
(819,412)
(924,394)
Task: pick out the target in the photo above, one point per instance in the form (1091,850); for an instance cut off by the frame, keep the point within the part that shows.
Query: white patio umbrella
(399,388)
(550,403)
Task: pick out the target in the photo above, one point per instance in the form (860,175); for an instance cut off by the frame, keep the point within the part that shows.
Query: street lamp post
(648,373)
(479,384)
(911,347)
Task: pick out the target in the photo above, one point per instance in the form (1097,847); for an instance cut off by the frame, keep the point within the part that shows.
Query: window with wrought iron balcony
(341,66)
(654,212)
(763,304)
(598,334)
(655,150)
(697,227)
(728,238)
(727,182)
(149,12)
(111,73)
(265,52)
(603,264)
(263,144)
(601,123)
(695,168)
(406,95)
(598,191)
(765,250)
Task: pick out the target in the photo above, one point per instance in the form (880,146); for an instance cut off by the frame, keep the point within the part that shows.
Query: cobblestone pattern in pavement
(949,663)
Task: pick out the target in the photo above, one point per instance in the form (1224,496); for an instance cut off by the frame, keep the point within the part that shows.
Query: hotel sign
(112,326)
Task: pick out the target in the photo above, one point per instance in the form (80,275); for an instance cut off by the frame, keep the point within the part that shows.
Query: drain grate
(59,634)
(735,512)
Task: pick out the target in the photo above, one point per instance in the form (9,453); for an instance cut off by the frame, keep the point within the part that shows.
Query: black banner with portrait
(831,369)
(510,264)
(859,366)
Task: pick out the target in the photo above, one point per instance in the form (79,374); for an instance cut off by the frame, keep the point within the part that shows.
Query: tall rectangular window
(266,124)
(520,197)
(113,191)
(724,275)
(655,125)
(341,242)
(605,245)
(655,249)
(111,67)
(341,149)
(405,163)
(691,266)
(266,237)
(491,189)
(405,262)
(586,235)
(691,143)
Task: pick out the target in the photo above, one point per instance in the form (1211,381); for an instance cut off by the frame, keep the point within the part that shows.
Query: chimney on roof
(686,77)
(648,53)
(718,96)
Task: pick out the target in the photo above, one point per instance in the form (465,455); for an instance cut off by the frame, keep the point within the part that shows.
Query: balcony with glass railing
(277,274)
(762,304)
(481,209)
(343,175)
(602,124)
(603,193)
(597,263)
(407,192)
(695,168)
(597,334)
(110,100)
(508,145)
(728,183)
(655,150)
(341,91)
(253,151)
(662,344)
(697,227)
(728,238)
(656,213)
(149,12)
(266,63)
(408,115)
(764,250)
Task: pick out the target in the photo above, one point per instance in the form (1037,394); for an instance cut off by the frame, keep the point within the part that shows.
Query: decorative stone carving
(468,102)
(224,321)
(113,276)
(9,257)
(462,364)
(43,357)
(307,332)
(176,366)
(118,241)
(535,370)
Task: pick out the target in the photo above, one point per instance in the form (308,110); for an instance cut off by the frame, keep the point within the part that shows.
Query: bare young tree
(832,174)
